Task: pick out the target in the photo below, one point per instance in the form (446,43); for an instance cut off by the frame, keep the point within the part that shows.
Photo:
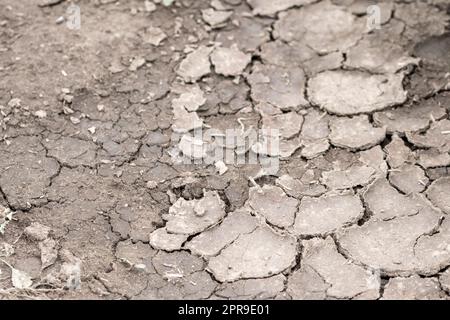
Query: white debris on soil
(324,215)
(193,216)
(335,91)
(192,99)
(162,240)
(221,167)
(229,61)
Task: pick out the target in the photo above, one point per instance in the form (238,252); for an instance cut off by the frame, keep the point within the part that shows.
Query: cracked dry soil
(96,203)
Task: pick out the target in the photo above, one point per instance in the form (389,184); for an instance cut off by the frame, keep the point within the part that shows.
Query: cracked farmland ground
(112,113)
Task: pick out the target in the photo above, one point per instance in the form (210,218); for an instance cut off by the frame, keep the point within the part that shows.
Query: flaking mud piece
(298,188)
(270,8)
(248,258)
(265,288)
(288,124)
(162,240)
(324,27)
(409,118)
(324,215)
(314,134)
(432,158)
(377,56)
(212,241)
(273,204)
(326,273)
(413,288)
(229,61)
(444,280)
(196,64)
(335,91)
(71,151)
(249,35)
(26,172)
(437,136)
(409,179)
(154,36)
(406,245)
(397,152)
(357,175)
(385,202)
(355,133)
(281,87)
(194,216)
(439,194)
(216,18)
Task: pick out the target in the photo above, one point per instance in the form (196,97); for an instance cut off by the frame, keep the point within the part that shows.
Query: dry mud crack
(107,190)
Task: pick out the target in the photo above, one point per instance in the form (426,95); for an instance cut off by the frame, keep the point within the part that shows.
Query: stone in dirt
(324,27)
(342,279)
(49,252)
(284,88)
(355,133)
(162,240)
(195,65)
(409,179)
(210,242)
(402,246)
(335,91)
(194,216)
(273,204)
(439,194)
(258,254)
(413,288)
(229,61)
(324,215)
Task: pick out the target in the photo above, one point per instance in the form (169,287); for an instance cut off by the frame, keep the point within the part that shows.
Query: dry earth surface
(97,203)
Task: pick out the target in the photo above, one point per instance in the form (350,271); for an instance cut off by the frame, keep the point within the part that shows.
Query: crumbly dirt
(96,201)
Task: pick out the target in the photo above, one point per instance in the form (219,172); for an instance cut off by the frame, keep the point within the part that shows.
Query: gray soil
(95,203)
